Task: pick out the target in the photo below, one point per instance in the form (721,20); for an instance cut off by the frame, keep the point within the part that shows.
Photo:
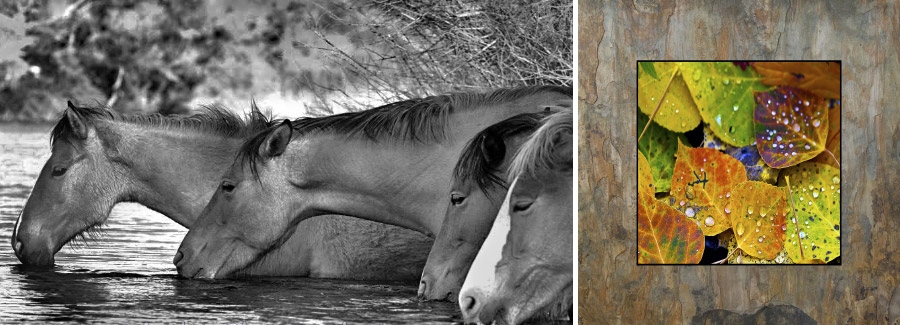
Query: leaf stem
(726,257)
(832,157)
(658,104)
(787,179)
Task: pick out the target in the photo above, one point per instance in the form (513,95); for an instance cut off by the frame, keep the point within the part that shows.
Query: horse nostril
(468,305)
(178,257)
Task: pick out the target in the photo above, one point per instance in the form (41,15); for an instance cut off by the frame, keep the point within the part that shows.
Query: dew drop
(793,220)
(681,203)
(815,194)
(728,194)
(806,146)
(709,222)
(802,234)
(726,81)
(778,138)
(816,123)
(760,239)
(790,145)
(652,99)
(689,212)
(683,125)
(806,103)
(727,209)
(696,75)
(796,127)
(757,229)
(762,212)
(793,153)
(785,121)
(758,223)
(749,209)
(783,227)
(676,111)
(740,229)
(810,202)
(774,145)
(836,180)
(735,108)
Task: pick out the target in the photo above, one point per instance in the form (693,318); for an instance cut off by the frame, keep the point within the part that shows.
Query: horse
(390,164)
(476,193)
(524,267)
(172,165)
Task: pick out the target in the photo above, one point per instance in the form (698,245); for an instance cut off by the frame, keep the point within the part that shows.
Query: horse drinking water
(524,267)
(390,164)
(172,165)
(478,189)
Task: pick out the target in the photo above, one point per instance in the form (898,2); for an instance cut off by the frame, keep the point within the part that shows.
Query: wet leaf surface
(665,235)
(659,146)
(757,218)
(820,78)
(813,233)
(724,96)
(791,126)
(645,180)
(678,111)
(701,185)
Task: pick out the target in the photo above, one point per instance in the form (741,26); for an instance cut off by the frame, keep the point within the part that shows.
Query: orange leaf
(666,236)
(833,144)
(701,184)
(820,78)
(758,218)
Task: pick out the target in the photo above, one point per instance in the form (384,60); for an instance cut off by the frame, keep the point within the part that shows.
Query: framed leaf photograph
(739,162)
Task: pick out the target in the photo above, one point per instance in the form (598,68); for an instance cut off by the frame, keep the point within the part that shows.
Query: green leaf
(659,146)
(649,69)
(724,95)
(813,233)
(791,126)
(678,112)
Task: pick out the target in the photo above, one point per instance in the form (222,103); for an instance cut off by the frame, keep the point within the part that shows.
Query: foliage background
(296,57)
(612,36)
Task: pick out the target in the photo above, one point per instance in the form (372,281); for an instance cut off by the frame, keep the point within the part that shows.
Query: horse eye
(227,187)
(457,199)
(522,206)
(58,171)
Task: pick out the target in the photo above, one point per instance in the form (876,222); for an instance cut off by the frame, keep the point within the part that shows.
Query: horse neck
(399,182)
(171,171)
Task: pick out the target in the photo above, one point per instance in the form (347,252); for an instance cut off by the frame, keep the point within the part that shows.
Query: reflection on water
(126,275)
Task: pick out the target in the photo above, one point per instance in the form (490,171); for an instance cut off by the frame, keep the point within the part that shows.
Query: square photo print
(739,162)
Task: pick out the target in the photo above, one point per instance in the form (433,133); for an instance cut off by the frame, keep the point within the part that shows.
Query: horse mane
(536,153)
(422,119)
(473,163)
(212,119)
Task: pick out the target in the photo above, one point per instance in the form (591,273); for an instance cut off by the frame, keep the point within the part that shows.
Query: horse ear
(79,128)
(493,149)
(277,141)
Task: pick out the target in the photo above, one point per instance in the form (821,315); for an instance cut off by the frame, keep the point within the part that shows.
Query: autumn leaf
(665,236)
(724,95)
(677,112)
(659,145)
(791,126)
(820,78)
(833,144)
(756,168)
(726,238)
(814,227)
(645,180)
(757,212)
(701,185)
